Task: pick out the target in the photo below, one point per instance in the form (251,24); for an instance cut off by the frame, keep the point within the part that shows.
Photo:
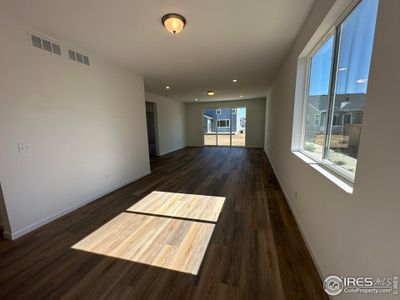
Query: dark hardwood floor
(255,252)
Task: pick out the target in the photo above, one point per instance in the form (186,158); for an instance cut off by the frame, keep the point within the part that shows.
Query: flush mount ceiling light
(174,23)
(210,93)
(241,96)
(234,80)
(167,87)
(196,99)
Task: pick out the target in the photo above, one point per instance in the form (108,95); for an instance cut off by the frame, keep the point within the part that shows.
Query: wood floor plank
(140,233)
(189,206)
(246,247)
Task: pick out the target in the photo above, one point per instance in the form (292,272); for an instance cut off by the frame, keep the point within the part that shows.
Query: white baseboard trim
(7,235)
(29,228)
(170,151)
(298,222)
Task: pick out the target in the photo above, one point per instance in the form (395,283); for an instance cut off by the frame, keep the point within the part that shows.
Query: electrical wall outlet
(23,147)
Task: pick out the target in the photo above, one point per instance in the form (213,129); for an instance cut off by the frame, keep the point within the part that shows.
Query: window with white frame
(223,123)
(336,89)
(316,120)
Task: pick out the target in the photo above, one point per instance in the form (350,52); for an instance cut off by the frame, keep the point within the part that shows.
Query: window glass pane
(210,127)
(224,130)
(355,49)
(317,100)
(239,127)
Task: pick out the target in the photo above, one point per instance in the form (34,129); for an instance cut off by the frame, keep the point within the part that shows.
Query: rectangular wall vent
(78,57)
(86,60)
(41,42)
(47,45)
(44,44)
(56,48)
(36,41)
(71,54)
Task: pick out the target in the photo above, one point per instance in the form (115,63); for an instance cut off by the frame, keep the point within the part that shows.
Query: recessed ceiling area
(222,40)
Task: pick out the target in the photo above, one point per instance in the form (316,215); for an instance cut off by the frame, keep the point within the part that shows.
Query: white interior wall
(348,234)
(255,122)
(85,126)
(170,121)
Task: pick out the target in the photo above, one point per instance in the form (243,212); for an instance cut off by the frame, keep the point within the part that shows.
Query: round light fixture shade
(174,23)
(210,93)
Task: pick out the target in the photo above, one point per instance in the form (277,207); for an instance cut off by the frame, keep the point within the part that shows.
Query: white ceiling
(223,39)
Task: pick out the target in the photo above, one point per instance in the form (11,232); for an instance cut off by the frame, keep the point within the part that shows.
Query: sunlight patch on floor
(189,206)
(166,230)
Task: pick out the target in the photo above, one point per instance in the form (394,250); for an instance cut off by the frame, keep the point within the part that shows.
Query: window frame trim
(342,173)
(307,75)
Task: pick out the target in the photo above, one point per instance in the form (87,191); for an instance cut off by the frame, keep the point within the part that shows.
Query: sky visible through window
(357,34)
(242,112)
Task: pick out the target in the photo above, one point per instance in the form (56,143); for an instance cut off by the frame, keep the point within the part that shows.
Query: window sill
(344,184)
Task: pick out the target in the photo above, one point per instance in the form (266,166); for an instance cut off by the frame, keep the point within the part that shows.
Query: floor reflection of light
(166,230)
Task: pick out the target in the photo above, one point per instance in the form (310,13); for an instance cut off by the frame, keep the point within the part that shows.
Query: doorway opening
(151,116)
(224,127)
(5,228)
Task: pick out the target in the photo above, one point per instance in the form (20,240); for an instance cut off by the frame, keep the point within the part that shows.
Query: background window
(336,119)
(340,65)
(223,123)
(316,123)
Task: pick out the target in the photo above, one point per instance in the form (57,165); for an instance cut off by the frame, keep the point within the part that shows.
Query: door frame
(230,127)
(154,104)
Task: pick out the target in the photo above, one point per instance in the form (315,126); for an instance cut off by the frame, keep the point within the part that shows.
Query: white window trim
(341,177)
(351,117)
(332,176)
(325,163)
(228,122)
